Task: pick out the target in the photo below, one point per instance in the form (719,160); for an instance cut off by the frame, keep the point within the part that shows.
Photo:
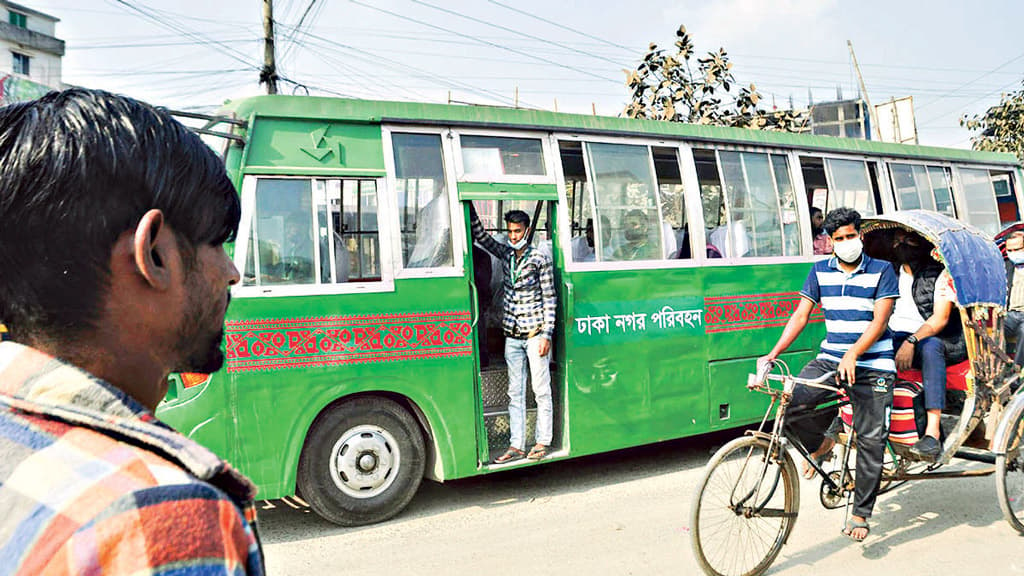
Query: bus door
(497,173)
(636,357)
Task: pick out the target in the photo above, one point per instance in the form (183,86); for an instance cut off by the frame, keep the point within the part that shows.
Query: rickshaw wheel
(1010,472)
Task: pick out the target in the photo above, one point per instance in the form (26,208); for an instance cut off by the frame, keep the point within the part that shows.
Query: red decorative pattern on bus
(332,341)
(750,311)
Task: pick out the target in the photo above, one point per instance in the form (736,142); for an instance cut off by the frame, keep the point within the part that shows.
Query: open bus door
(486,277)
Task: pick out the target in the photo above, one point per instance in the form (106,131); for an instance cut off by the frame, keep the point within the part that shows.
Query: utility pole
(864,93)
(268,75)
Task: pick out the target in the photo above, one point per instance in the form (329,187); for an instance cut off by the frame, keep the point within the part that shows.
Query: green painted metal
(500,191)
(642,355)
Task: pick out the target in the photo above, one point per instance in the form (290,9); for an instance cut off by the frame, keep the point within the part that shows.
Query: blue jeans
(930,358)
(519,353)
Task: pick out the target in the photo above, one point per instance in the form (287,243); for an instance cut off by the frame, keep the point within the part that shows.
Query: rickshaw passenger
(926,329)
(856,293)
(1014,326)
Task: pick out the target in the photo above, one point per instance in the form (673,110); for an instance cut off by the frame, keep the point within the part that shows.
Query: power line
(482,41)
(518,33)
(563,27)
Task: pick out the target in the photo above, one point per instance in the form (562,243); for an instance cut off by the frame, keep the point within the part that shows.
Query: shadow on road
(286,521)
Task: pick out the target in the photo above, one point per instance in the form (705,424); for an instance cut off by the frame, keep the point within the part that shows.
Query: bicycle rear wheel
(1010,471)
(744,509)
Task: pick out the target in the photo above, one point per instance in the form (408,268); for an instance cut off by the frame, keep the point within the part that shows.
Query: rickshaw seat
(956,375)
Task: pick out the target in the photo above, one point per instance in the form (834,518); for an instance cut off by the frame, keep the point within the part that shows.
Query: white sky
(953,57)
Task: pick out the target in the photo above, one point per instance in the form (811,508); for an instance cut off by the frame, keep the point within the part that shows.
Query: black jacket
(952,335)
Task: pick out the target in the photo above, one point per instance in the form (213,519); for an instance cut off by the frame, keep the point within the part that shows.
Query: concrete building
(28,49)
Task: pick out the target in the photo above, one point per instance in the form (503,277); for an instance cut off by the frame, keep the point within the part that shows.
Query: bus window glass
(712,204)
(423,207)
(849,186)
(673,205)
(753,206)
(924,187)
(1005,198)
(489,157)
(981,210)
(356,238)
(787,206)
(284,231)
(903,184)
(626,201)
(938,177)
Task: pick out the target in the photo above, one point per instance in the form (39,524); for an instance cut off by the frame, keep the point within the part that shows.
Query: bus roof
(379,111)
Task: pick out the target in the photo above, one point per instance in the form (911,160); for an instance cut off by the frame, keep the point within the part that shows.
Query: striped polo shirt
(848,300)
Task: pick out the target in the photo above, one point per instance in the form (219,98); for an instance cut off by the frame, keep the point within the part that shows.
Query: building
(30,54)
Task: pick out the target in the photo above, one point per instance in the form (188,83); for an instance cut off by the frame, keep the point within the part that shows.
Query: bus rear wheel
(362,462)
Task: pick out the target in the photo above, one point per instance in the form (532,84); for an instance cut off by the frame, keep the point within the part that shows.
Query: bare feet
(822,454)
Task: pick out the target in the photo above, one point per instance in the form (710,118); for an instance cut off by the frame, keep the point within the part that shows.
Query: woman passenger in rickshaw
(927,333)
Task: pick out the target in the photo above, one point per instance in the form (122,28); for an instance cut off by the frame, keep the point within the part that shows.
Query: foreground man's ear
(151,249)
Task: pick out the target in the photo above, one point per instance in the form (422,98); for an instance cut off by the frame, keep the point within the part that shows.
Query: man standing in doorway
(114,275)
(528,321)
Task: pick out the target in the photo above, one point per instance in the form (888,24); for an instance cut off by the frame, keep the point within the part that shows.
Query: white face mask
(518,245)
(848,250)
(1017,256)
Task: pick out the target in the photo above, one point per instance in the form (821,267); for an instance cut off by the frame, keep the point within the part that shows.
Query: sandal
(511,454)
(852,525)
(538,452)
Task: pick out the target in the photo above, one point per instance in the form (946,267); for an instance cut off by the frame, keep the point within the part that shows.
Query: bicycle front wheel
(1010,471)
(744,509)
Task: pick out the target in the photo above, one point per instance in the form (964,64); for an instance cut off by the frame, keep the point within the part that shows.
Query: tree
(669,87)
(1001,127)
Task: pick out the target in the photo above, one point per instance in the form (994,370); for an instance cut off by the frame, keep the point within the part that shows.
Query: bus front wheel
(362,462)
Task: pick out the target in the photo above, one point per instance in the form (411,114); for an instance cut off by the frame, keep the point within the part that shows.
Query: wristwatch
(912,339)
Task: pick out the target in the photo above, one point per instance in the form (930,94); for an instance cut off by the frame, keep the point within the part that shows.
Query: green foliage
(1001,127)
(671,87)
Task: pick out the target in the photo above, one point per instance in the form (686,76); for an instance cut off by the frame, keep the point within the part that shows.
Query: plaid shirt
(92,483)
(529,286)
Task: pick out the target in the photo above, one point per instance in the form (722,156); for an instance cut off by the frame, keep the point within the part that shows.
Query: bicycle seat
(956,375)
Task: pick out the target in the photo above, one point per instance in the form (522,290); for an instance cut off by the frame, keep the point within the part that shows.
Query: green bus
(363,344)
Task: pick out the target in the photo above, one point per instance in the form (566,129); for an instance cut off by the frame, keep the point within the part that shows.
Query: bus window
(283,233)
(712,202)
(981,209)
(581,212)
(846,183)
(352,207)
(760,206)
(673,205)
(920,186)
(486,158)
(347,250)
(424,211)
(626,200)
(1005,197)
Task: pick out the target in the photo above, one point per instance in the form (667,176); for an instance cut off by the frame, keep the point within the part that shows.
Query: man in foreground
(113,275)
(856,293)
(528,321)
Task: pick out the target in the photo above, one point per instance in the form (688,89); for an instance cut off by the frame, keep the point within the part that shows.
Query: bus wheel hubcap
(364,461)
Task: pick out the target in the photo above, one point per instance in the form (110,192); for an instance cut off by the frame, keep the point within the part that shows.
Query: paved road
(627,513)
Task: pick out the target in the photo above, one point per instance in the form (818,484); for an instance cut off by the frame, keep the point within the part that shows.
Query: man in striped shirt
(856,293)
(112,275)
(528,321)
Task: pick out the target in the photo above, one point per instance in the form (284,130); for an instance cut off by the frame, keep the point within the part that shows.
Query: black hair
(79,168)
(815,211)
(840,217)
(517,217)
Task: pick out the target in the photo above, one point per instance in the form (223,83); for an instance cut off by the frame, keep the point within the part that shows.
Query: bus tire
(362,462)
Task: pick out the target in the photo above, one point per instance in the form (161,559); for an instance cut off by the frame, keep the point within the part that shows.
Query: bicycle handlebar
(759,380)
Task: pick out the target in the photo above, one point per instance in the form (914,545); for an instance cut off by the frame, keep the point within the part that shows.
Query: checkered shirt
(528,307)
(92,483)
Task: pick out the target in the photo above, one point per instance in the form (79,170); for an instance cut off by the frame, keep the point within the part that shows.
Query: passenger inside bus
(637,242)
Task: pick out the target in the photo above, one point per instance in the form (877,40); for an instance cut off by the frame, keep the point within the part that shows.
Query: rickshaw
(748,500)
